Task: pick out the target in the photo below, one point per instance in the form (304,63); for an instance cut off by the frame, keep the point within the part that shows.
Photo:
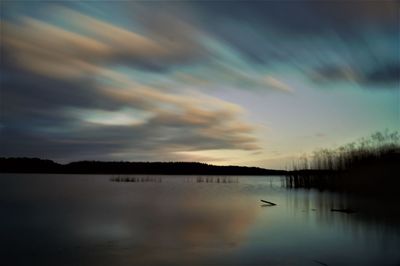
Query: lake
(51,219)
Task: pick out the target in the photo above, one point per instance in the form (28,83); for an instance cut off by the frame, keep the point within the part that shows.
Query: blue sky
(220,82)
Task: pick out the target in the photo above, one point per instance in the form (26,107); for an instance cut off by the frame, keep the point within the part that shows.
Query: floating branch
(320,262)
(343,210)
(268,202)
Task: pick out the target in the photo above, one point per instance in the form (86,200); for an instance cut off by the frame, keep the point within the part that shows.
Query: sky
(223,82)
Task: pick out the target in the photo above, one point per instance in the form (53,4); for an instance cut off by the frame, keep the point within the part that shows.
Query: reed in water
(136,179)
(213,179)
(370,165)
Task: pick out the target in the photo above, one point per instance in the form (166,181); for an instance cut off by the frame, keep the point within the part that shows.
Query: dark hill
(35,165)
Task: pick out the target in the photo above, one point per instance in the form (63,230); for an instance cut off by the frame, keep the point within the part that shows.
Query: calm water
(88,220)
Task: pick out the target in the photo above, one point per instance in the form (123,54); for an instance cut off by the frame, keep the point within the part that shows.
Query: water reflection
(59,219)
(357,210)
(88,220)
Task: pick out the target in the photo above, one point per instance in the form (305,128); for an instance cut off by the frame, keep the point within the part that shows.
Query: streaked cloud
(189,80)
(120,115)
(277,84)
(70,53)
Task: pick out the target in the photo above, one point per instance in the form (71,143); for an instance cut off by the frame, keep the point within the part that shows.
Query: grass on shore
(370,165)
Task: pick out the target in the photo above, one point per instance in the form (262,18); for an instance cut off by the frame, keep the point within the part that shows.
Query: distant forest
(36,165)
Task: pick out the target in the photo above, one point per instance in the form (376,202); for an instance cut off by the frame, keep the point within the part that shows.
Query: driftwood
(320,262)
(268,202)
(343,210)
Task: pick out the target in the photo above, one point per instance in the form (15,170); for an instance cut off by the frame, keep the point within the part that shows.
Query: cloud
(388,74)
(87,82)
(320,40)
(269,31)
(62,100)
(384,76)
(241,51)
(140,122)
(277,84)
(334,73)
(87,42)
